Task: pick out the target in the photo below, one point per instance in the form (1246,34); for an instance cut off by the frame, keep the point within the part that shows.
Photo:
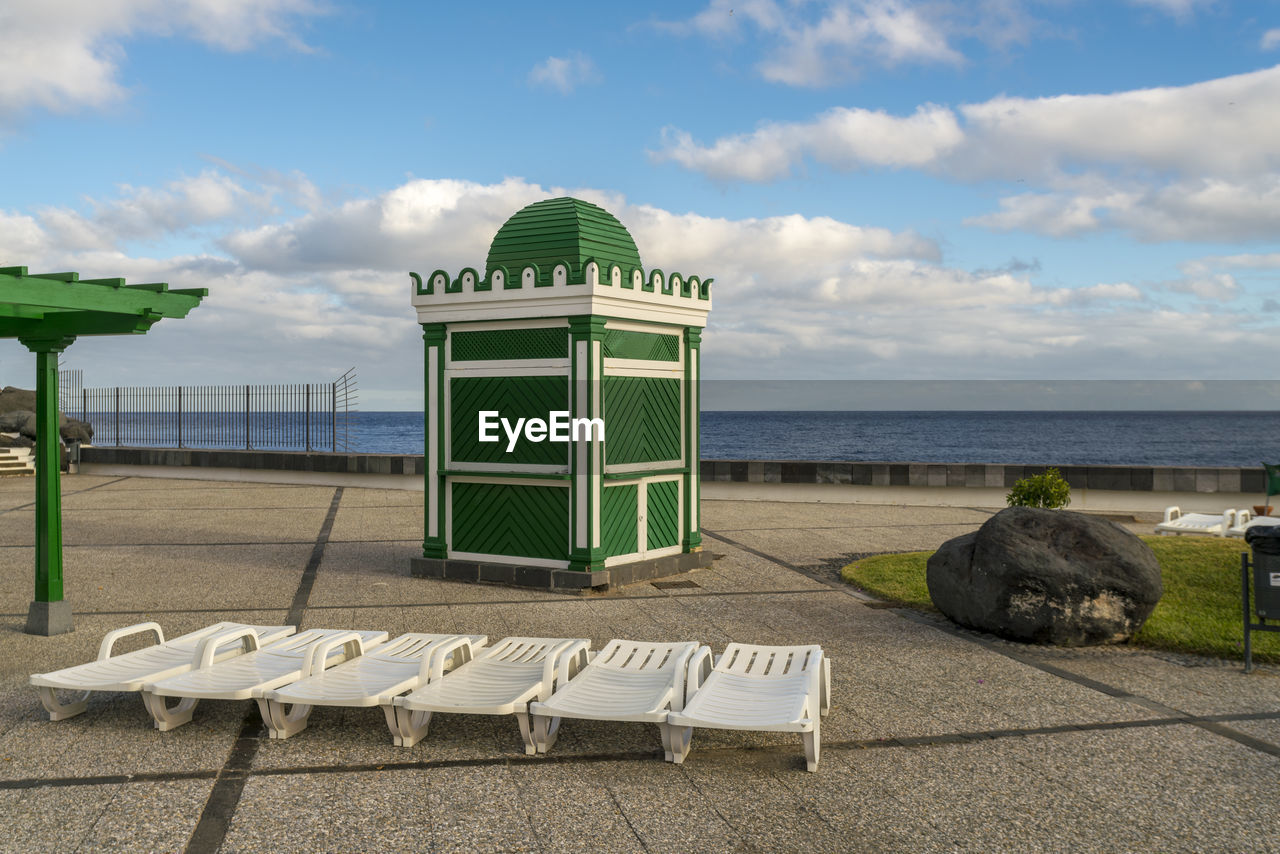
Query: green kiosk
(561,408)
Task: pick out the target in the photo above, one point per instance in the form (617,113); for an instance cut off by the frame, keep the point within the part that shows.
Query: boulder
(11,422)
(1047,576)
(74,430)
(17,398)
(15,440)
(28,425)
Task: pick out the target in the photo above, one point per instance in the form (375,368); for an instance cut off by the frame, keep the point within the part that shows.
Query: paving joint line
(902,742)
(1029,660)
(224,798)
(66,494)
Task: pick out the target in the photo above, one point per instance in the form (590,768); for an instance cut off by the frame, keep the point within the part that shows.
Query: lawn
(1199,612)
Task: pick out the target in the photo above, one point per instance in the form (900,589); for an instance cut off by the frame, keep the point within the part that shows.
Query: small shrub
(1048,490)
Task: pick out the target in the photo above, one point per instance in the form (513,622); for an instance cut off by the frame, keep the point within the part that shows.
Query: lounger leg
(407,726)
(545,730)
(665,730)
(681,738)
(62,711)
(281,724)
(813,745)
(168,718)
(530,745)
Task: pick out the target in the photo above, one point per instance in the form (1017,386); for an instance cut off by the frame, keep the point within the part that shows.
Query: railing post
(333,415)
(247,446)
(308,418)
(117,416)
(179,416)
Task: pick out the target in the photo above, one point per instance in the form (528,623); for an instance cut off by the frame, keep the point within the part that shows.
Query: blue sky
(883,189)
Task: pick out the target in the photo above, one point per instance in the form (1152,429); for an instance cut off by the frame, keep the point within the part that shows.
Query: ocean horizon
(1170,438)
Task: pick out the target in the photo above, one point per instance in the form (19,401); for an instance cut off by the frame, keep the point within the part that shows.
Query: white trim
(476,366)
(693,432)
(554,368)
(505,481)
(597,457)
(499,468)
(528,323)
(433,442)
(541,562)
(639,556)
(562,301)
(641,468)
(642,368)
(580,483)
(625,325)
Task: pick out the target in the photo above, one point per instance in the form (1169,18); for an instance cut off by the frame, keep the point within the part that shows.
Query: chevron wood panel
(504,519)
(642,419)
(663,513)
(542,343)
(514,397)
(619,520)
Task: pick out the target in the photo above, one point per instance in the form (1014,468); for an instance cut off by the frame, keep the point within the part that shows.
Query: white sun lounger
(131,670)
(1177,522)
(499,680)
(372,679)
(625,681)
(264,667)
(1245,520)
(769,688)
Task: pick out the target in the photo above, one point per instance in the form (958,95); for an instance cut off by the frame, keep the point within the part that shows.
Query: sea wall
(1145,488)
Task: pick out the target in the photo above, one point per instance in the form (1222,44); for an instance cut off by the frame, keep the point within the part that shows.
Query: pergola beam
(58,291)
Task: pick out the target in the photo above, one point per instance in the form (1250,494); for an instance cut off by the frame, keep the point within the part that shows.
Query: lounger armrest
(566,657)
(432,667)
(682,674)
(1171,513)
(817,680)
(699,668)
(318,653)
(1243,517)
(110,638)
(208,647)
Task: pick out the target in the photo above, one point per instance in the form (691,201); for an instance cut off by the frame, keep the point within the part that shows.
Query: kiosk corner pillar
(586,463)
(434,545)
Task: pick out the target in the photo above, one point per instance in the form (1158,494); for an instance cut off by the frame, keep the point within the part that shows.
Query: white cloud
(1180,9)
(310,295)
(822,43)
(842,137)
(564,74)
(1197,162)
(1270,39)
(66,55)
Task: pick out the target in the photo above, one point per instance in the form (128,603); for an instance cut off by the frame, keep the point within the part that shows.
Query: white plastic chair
(261,668)
(626,681)
(1246,520)
(499,680)
(131,670)
(1177,522)
(372,679)
(766,688)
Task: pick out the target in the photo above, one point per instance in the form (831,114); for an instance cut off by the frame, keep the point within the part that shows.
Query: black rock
(11,422)
(12,399)
(15,441)
(1047,576)
(74,430)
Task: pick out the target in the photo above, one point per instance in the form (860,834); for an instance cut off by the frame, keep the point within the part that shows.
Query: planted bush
(1049,490)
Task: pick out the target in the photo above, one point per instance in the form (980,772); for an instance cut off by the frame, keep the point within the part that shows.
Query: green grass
(1199,612)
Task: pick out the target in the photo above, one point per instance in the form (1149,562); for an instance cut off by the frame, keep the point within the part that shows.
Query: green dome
(564,229)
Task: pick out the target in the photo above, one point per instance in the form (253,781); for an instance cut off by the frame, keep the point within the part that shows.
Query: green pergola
(46,313)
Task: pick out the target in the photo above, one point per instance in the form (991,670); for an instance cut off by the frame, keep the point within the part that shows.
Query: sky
(925,190)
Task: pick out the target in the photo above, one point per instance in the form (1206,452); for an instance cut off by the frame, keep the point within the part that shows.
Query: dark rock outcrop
(1047,576)
(18,415)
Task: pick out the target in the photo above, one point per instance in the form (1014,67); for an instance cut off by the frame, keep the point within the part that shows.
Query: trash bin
(1265,542)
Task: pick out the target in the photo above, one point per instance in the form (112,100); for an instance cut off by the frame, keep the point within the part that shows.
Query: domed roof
(563,229)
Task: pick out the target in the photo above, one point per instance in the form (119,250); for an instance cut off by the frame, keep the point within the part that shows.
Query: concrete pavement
(939,739)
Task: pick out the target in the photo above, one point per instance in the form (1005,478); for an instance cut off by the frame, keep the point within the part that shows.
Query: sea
(1176,438)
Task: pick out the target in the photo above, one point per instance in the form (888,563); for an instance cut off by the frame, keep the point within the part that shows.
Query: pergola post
(46,312)
(49,614)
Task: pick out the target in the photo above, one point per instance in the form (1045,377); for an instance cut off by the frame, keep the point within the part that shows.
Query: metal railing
(296,416)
